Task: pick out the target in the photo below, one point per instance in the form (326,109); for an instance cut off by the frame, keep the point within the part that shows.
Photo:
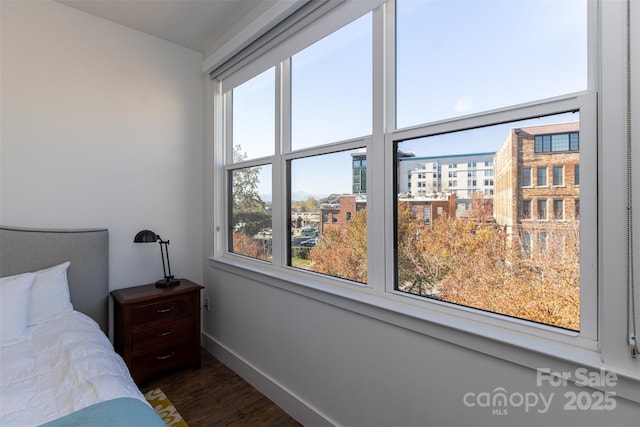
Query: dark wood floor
(215,396)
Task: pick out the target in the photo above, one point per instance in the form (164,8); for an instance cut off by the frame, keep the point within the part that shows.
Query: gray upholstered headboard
(23,250)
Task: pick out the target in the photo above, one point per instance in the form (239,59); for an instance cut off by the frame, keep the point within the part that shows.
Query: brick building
(340,214)
(424,209)
(537,180)
(427,209)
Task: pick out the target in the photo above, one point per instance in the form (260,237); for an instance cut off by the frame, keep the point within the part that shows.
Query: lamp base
(167,282)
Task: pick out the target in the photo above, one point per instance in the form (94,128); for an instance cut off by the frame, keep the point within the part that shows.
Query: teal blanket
(121,412)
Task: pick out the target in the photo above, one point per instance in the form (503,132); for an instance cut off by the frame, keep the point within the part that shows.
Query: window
(542,209)
(485,80)
(557,142)
(525,239)
(576,175)
(249,179)
(337,117)
(543,237)
(251,220)
(253,117)
(526,177)
(442,260)
(343,58)
(526,209)
(541,176)
(558,209)
(558,175)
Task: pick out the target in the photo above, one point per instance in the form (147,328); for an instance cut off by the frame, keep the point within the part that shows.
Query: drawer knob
(164,310)
(164,334)
(166,356)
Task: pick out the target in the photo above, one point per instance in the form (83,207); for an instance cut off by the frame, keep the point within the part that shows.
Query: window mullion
(387,170)
(376,249)
(280,211)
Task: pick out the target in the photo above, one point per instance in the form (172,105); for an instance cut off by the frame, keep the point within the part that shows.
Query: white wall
(329,366)
(102,127)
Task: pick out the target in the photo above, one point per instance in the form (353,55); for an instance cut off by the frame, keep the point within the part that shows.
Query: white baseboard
(290,403)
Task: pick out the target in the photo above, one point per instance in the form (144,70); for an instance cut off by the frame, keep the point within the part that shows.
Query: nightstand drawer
(163,334)
(152,362)
(172,308)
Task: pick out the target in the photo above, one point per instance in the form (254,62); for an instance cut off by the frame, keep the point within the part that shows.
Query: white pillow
(50,295)
(15,293)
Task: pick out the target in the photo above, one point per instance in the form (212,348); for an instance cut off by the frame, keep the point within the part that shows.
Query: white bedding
(65,365)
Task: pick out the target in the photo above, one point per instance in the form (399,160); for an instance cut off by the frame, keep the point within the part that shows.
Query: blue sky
(453,58)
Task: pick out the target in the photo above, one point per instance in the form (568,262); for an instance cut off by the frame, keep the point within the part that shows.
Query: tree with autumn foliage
(343,253)
(474,263)
(249,214)
(471,261)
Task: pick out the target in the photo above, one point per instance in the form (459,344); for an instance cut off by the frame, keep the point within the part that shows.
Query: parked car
(309,242)
(308,231)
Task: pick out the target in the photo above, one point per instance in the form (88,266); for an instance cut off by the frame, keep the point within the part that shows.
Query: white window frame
(515,340)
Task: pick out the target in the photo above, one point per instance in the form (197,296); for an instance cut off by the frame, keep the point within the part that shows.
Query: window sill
(514,341)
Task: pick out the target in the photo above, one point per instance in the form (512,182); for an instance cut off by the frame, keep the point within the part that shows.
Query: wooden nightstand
(157,329)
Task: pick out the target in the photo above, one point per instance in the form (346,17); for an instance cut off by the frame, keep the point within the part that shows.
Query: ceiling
(196,24)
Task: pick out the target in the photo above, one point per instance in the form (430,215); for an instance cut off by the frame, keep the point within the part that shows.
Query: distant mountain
(296,196)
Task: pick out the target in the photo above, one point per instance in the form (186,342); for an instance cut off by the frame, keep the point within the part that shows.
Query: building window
(557,143)
(558,176)
(542,209)
(541,176)
(576,175)
(526,177)
(577,209)
(526,209)
(558,209)
(526,242)
(543,238)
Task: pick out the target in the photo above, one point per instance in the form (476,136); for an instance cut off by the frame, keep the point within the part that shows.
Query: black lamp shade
(148,236)
(145,236)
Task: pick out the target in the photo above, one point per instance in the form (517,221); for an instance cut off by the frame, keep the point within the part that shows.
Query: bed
(57,366)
